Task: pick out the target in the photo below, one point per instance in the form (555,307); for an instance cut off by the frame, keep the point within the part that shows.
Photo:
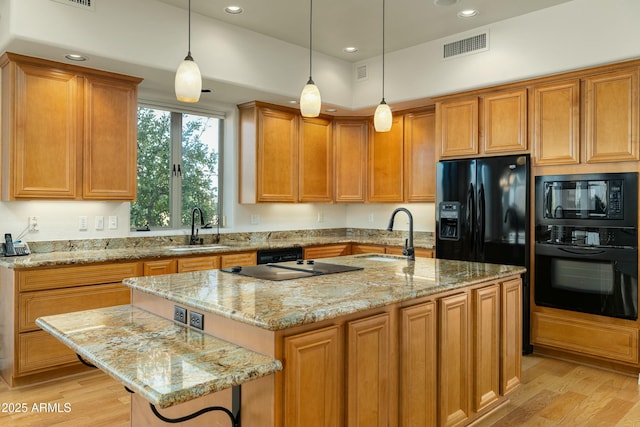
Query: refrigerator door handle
(471,203)
(481,221)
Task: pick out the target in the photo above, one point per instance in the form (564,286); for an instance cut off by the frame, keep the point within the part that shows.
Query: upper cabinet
(284,157)
(287,158)
(607,106)
(488,124)
(68,132)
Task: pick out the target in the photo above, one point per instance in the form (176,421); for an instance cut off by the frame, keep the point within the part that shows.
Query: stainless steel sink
(195,248)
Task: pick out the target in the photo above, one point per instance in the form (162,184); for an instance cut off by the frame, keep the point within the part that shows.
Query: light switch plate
(82,223)
(99,222)
(113,222)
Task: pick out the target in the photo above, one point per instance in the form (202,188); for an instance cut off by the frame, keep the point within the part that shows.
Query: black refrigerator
(482,214)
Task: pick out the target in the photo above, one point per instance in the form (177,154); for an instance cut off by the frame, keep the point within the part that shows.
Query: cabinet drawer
(198,263)
(65,277)
(40,351)
(242,259)
(610,341)
(45,303)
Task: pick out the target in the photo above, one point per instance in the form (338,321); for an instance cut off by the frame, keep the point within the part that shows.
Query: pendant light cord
(189,28)
(383,50)
(310,36)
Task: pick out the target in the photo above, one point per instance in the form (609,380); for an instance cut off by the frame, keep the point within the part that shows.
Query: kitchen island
(399,342)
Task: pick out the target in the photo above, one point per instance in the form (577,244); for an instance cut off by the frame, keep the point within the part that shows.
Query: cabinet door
(418,366)
(350,160)
(42,128)
(241,259)
(386,164)
(369,371)
(313,380)
(110,139)
(511,325)
(486,347)
(326,251)
(316,161)
(556,123)
(455,360)
(40,351)
(366,249)
(611,116)
(419,157)
(163,266)
(198,263)
(277,156)
(457,127)
(505,121)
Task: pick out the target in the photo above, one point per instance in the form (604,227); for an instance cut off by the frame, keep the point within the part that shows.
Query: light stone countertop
(139,252)
(164,362)
(385,279)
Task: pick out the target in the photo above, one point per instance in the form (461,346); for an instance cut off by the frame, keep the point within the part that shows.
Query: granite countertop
(164,362)
(385,279)
(136,252)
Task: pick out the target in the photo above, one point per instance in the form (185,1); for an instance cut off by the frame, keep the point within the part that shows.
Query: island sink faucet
(408,250)
(193,240)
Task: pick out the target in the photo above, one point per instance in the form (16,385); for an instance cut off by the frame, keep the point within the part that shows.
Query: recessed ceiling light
(350,49)
(234,10)
(75,57)
(331,110)
(445,2)
(293,102)
(467,13)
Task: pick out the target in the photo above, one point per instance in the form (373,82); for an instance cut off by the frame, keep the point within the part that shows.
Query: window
(178,158)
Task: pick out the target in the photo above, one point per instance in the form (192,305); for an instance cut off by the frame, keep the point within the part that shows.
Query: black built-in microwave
(608,199)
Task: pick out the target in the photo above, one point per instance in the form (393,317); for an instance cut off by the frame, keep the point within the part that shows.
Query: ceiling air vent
(362,73)
(84,4)
(467,46)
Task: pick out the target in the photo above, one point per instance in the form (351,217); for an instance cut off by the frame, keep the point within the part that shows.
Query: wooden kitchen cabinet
(69,132)
(369,372)
(420,156)
(326,251)
(161,266)
(486,346)
(491,123)
(31,353)
(358,248)
(350,142)
(385,178)
(313,381)
(419,363)
(611,116)
(511,333)
(455,360)
(556,123)
(241,258)
(315,173)
(200,263)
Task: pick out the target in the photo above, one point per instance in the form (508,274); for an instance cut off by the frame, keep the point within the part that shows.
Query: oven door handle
(577,251)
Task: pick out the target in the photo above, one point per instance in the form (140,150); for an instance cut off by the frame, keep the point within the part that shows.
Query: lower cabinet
(445,361)
(358,248)
(326,251)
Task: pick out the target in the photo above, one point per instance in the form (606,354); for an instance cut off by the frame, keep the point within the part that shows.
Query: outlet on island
(196,320)
(179,314)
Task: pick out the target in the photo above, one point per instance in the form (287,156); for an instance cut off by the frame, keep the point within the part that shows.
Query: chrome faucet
(193,240)
(408,250)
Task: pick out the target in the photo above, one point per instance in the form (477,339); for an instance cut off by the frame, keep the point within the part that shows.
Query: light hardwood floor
(553,393)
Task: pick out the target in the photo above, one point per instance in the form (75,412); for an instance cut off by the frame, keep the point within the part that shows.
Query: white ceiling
(341,23)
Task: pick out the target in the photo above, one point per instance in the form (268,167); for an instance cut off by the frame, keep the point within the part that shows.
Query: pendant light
(188,82)
(310,101)
(382,118)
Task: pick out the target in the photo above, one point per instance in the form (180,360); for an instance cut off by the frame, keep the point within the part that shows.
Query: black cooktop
(290,270)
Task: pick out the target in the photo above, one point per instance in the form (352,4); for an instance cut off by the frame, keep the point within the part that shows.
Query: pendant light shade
(188,81)
(310,101)
(382,118)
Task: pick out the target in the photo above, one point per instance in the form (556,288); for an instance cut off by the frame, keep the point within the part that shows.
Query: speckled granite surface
(384,280)
(46,254)
(164,362)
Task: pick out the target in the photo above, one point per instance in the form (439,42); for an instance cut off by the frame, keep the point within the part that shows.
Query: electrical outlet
(196,320)
(255,219)
(371,217)
(320,216)
(113,222)
(180,314)
(34,223)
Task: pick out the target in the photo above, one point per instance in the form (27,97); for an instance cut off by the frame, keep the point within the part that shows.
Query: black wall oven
(586,250)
